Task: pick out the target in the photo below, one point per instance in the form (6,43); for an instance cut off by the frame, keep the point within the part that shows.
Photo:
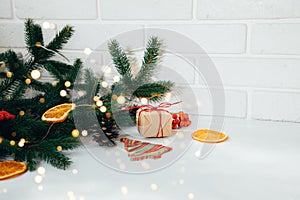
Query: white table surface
(261,160)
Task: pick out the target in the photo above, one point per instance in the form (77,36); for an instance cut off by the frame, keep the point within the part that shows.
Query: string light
(52,26)
(99,103)
(191,196)
(75,133)
(42,100)
(35,74)
(46,25)
(121,99)
(21,144)
(12,143)
(103,109)
(116,79)
(63,93)
(38,178)
(9,74)
(96,98)
(84,133)
(41,170)
(21,113)
(40,187)
(144,100)
(114,97)
(87,51)
(1,139)
(153,186)
(124,190)
(104,84)
(27,81)
(67,84)
(59,148)
(54,83)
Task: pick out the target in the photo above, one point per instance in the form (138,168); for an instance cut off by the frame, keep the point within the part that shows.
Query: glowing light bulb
(84,133)
(116,79)
(104,84)
(75,133)
(40,187)
(121,99)
(42,100)
(46,25)
(21,144)
(52,26)
(9,74)
(96,98)
(87,51)
(35,74)
(41,170)
(63,93)
(144,100)
(153,186)
(191,196)
(103,109)
(99,103)
(27,81)
(67,84)
(38,178)
(124,190)
(21,113)
(59,148)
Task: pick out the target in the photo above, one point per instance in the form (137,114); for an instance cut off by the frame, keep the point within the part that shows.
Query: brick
(276,39)
(6,10)
(280,106)
(257,72)
(96,36)
(245,9)
(63,9)
(202,38)
(176,69)
(12,35)
(199,101)
(145,10)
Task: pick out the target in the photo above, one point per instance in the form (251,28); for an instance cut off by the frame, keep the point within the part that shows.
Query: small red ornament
(4,115)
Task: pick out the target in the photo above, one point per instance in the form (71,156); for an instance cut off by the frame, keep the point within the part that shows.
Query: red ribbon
(150,107)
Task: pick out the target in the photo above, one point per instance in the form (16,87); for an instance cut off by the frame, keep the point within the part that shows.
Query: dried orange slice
(209,136)
(58,113)
(10,169)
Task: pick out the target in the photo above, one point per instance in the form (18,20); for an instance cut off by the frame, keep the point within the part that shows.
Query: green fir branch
(151,56)
(120,60)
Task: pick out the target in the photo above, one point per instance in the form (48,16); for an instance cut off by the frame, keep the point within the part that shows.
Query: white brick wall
(254,44)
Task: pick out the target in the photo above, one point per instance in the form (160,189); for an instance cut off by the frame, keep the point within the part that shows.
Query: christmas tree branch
(151,56)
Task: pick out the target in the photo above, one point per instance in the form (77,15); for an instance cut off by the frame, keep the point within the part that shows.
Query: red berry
(11,117)
(185,116)
(181,123)
(176,121)
(174,116)
(174,126)
(1,116)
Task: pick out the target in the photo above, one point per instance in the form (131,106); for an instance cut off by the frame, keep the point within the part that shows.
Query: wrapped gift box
(154,122)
